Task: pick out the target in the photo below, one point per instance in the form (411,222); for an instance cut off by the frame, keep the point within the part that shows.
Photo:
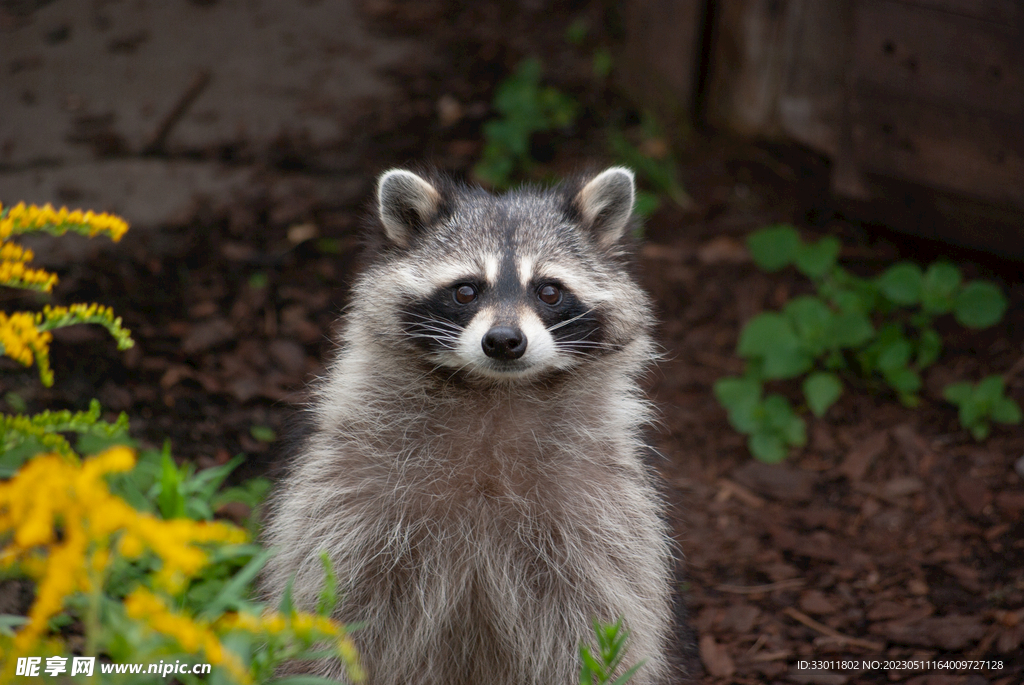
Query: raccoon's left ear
(606,203)
(407,203)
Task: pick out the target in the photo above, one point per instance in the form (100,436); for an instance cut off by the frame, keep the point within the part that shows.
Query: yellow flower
(22,340)
(61,523)
(23,218)
(192,634)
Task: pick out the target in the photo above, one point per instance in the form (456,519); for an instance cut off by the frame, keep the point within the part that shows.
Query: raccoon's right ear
(407,203)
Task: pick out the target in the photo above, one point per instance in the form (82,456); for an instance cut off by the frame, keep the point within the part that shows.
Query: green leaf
(989,389)
(928,348)
(816,260)
(740,397)
(980,430)
(901,283)
(774,247)
(767,447)
(263,433)
(822,389)
(940,283)
(770,337)
(235,589)
(1005,410)
(852,329)
(813,321)
(904,380)
(958,393)
(979,305)
(894,355)
(782,420)
(731,391)
(170,500)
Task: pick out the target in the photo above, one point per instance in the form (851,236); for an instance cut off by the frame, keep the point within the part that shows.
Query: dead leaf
(714,657)
(777,481)
(723,250)
(858,460)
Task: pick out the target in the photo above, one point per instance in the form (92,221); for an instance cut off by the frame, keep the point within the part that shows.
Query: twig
(159,138)
(757,589)
(831,632)
(732,489)
(1017,367)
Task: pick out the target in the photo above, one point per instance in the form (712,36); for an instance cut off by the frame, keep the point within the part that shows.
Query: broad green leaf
(979,304)
(980,430)
(787,362)
(928,348)
(1005,410)
(812,320)
(731,390)
(817,259)
(852,329)
(796,432)
(957,393)
(774,247)
(782,420)
(989,389)
(770,337)
(940,284)
(973,412)
(765,332)
(767,447)
(822,389)
(901,283)
(904,380)
(894,355)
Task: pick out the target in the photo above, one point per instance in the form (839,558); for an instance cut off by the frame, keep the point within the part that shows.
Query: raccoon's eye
(465,294)
(549,294)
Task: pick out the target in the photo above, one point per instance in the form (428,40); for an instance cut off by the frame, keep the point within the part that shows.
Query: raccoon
(475,469)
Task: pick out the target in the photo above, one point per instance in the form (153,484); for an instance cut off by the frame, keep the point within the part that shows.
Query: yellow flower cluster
(25,337)
(22,218)
(61,521)
(193,635)
(305,626)
(17,275)
(22,340)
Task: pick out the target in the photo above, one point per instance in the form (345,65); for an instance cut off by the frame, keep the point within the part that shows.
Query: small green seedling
(981,404)
(525,108)
(878,328)
(600,669)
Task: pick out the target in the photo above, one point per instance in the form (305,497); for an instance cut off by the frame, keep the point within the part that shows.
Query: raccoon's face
(509,287)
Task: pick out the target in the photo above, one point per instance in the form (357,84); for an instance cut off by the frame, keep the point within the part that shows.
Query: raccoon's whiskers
(569,321)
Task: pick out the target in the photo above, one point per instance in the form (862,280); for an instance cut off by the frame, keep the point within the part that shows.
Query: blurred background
(241,140)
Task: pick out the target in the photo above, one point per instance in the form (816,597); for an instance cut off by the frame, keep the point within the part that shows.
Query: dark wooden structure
(925,94)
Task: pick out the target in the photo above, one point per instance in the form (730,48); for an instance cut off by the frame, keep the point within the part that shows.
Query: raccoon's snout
(505,343)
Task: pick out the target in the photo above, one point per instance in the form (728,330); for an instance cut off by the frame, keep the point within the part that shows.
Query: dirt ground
(892,537)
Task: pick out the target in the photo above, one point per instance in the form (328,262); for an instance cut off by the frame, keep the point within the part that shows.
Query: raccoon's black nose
(505,343)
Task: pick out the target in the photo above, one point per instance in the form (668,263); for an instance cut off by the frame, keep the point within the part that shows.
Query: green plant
(600,669)
(878,328)
(127,561)
(652,159)
(525,107)
(981,404)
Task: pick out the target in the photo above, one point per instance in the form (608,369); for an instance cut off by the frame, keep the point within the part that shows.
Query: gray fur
(479,519)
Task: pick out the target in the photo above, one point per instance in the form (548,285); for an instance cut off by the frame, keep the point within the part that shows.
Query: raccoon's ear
(407,203)
(606,203)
